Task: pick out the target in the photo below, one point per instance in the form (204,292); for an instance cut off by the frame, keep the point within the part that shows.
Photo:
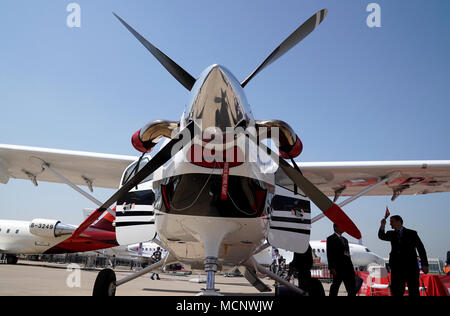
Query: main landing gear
(106,283)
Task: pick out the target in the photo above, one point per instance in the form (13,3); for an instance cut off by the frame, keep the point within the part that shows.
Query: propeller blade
(163,156)
(304,30)
(175,70)
(330,209)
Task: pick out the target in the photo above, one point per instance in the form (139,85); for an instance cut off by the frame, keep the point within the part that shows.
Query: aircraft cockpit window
(367,250)
(144,197)
(130,172)
(282,180)
(284,203)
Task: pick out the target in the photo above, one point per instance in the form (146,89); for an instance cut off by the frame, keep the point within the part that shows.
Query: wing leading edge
(81,168)
(350,178)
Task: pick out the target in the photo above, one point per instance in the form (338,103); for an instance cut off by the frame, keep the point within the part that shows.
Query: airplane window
(7,231)
(17,231)
(284,181)
(130,171)
(367,250)
(145,197)
(284,203)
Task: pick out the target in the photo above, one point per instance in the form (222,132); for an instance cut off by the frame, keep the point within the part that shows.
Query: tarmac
(48,279)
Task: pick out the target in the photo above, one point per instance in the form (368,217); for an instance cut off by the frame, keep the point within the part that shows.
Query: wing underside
(81,168)
(350,178)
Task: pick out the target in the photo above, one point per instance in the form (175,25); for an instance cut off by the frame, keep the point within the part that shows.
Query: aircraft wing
(350,178)
(103,170)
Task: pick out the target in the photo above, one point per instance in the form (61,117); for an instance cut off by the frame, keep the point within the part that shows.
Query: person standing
(447,268)
(340,263)
(155,258)
(277,260)
(403,257)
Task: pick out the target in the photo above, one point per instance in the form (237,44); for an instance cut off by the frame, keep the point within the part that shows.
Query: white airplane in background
(214,194)
(48,236)
(143,250)
(361,256)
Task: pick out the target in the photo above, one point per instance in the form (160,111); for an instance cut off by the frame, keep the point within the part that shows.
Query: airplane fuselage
(41,236)
(15,238)
(214,199)
(360,255)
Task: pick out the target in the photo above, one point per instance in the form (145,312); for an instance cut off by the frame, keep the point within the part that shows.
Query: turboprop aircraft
(217,192)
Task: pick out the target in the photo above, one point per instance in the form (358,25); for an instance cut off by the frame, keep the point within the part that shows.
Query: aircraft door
(135,218)
(290,221)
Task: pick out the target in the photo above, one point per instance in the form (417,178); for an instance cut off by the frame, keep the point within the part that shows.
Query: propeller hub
(218,101)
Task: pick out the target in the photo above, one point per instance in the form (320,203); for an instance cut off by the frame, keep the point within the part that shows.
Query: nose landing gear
(211,269)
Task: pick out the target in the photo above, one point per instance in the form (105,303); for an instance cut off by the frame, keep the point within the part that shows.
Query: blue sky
(351,92)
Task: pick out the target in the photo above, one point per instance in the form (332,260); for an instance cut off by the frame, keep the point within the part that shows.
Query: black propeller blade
(163,156)
(304,30)
(175,70)
(330,209)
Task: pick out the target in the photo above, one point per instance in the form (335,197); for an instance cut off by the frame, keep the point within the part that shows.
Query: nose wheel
(105,284)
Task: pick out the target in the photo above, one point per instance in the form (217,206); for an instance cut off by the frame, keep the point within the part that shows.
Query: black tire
(11,259)
(105,284)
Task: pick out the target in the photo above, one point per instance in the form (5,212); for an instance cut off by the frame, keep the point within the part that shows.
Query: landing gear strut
(211,269)
(106,283)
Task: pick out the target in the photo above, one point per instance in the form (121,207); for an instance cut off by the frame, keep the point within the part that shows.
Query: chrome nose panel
(218,100)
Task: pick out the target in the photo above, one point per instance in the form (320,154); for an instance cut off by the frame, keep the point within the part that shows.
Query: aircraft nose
(218,100)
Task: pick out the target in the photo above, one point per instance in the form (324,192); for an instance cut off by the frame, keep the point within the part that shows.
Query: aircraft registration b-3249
(217,193)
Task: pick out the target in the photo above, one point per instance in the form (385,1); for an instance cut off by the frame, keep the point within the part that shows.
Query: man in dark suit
(403,257)
(340,263)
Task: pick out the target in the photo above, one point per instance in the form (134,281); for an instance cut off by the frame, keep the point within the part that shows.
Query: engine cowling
(290,144)
(147,137)
(49,228)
